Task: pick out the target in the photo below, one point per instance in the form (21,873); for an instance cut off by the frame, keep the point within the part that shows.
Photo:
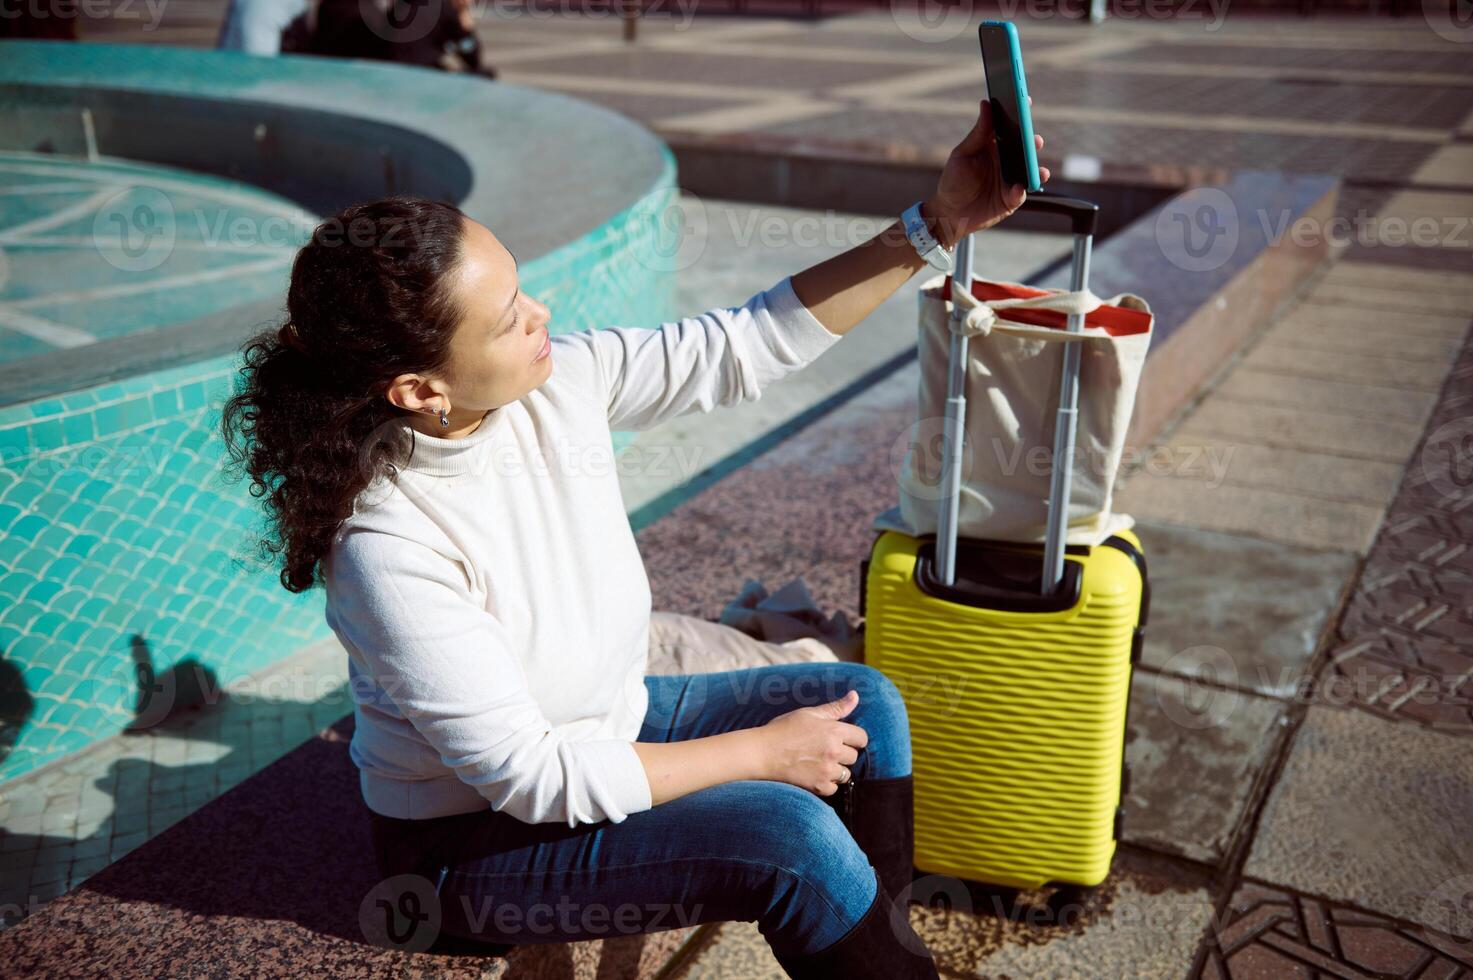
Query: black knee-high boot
(881,818)
(881,944)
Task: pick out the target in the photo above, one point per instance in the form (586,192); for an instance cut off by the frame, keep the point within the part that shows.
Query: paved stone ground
(1299,730)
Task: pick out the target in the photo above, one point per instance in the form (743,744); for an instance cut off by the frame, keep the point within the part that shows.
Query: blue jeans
(754,850)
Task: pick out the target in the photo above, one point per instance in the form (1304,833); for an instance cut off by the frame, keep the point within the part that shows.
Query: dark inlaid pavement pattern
(1405,645)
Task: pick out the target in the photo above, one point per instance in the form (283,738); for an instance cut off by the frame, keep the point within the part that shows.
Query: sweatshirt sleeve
(723,357)
(447,665)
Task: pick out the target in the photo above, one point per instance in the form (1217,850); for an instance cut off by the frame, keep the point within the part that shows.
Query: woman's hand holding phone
(971,194)
(811,747)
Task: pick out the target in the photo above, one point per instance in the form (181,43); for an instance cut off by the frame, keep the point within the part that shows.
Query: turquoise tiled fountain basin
(120,540)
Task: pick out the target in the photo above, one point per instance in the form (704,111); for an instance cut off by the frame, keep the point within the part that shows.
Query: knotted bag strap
(981,316)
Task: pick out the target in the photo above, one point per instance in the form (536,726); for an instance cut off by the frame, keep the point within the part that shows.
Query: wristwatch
(925,243)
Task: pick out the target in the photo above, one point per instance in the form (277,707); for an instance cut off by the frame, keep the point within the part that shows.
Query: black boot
(881,944)
(881,818)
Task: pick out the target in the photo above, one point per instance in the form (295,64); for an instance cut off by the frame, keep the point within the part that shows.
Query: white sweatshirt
(491,596)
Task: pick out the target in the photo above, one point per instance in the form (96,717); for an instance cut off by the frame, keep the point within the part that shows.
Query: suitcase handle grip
(1082,215)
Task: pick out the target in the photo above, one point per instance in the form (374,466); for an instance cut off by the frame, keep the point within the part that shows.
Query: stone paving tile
(1260,634)
(1326,315)
(1347,56)
(1309,337)
(1445,215)
(1395,301)
(1258,98)
(1368,274)
(1387,440)
(1374,813)
(1268,932)
(1343,366)
(1194,752)
(1451,165)
(1452,260)
(1214,460)
(1275,515)
(710,67)
(638,106)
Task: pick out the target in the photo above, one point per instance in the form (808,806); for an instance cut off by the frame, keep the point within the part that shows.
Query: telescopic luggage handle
(1082,217)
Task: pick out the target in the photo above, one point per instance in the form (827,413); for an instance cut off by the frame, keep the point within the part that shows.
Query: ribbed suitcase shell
(1017,718)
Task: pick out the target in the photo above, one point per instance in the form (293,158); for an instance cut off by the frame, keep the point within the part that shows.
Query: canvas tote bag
(1014,362)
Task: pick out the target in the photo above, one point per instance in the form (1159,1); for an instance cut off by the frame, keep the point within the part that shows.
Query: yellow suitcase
(1014,661)
(1017,701)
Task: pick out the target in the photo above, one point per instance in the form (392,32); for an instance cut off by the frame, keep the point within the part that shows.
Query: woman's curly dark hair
(370,299)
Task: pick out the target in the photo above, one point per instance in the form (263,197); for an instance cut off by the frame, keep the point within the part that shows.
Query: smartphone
(1007,90)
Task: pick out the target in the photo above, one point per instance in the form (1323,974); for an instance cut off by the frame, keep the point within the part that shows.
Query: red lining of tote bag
(1116,320)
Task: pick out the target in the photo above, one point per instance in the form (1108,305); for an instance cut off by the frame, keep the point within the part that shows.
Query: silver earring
(444,422)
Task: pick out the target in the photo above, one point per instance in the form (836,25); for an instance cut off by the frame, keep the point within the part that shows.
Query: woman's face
(499,352)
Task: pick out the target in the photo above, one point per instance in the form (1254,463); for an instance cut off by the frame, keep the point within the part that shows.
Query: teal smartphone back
(1024,119)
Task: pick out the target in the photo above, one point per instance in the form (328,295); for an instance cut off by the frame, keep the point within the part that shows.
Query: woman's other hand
(971,194)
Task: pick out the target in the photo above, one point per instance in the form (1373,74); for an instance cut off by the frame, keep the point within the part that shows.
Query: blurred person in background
(29,21)
(438,34)
(257,26)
